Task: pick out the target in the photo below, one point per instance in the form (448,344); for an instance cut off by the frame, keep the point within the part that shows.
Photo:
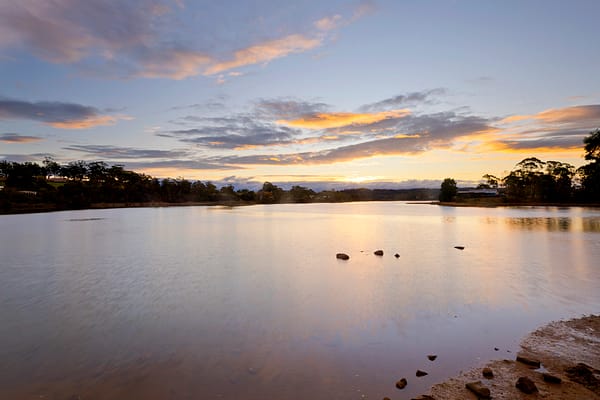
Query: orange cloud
(560,115)
(341,119)
(86,123)
(265,52)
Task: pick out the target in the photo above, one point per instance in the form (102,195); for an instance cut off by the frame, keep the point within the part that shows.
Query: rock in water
(459,247)
(421,373)
(342,256)
(487,373)
(378,252)
(401,384)
(397,255)
(526,385)
(432,357)
(529,361)
(479,389)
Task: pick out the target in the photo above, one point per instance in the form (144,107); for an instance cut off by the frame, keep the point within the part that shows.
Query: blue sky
(373,92)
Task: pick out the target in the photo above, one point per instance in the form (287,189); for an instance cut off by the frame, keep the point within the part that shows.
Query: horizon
(342,93)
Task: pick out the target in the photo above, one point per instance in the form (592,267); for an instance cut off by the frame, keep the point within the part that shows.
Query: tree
(448,190)
(592,146)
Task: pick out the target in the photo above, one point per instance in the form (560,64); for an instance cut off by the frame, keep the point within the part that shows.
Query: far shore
(482,203)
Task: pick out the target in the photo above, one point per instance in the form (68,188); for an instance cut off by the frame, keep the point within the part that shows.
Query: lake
(251,302)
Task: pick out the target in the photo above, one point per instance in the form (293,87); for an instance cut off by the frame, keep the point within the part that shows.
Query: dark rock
(397,255)
(585,375)
(551,378)
(459,247)
(420,373)
(487,373)
(401,384)
(386,398)
(378,252)
(480,390)
(529,361)
(432,357)
(526,385)
(423,397)
(496,349)
(342,256)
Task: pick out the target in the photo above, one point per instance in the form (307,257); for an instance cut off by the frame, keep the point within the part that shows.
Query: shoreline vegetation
(31,187)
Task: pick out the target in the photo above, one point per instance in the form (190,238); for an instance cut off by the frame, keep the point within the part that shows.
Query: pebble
(378,252)
(432,357)
(487,373)
(551,378)
(342,256)
(421,373)
(397,255)
(528,361)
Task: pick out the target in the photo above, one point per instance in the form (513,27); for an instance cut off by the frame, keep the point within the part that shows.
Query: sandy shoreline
(559,346)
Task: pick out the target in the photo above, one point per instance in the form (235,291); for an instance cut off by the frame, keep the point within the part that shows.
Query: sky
(378,93)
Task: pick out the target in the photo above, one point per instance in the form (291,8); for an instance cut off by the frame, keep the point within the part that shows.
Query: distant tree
(269,193)
(491,181)
(448,190)
(589,174)
(301,194)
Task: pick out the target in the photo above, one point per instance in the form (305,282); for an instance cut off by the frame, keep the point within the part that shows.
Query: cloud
(265,52)
(425,97)
(238,132)
(288,108)
(148,38)
(56,114)
(342,119)
(17,138)
(108,151)
(575,114)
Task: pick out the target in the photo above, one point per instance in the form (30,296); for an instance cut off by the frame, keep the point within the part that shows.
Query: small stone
(459,247)
(487,373)
(496,349)
(401,384)
(551,378)
(432,357)
(397,255)
(528,361)
(423,397)
(378,252)
(420,373)
(479,389)
(342,256)
(386,398)
(526,385)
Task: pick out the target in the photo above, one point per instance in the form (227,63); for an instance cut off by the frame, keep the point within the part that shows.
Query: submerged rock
(378,252)
(479,389)
(401,384)
(487,373)
(432,357)
(421,373)
(342,256)
(526,385)
(397,255)
(459,247)
(585,375)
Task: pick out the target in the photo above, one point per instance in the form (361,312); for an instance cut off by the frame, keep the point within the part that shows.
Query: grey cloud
(45,111)
(17,138)
(289,108)
(107,151)
(235,132)
(36,157)
(183,164)
(423,97)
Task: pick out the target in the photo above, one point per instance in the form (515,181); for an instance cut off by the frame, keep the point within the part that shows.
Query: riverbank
(569,351)
(493,203)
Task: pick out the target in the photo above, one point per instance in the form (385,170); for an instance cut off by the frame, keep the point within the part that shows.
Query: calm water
(251,303)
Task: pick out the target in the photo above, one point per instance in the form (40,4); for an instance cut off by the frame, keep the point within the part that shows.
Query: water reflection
(251,303)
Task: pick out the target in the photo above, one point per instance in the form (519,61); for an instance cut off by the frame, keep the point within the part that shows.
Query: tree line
(535,181)
(30,186)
